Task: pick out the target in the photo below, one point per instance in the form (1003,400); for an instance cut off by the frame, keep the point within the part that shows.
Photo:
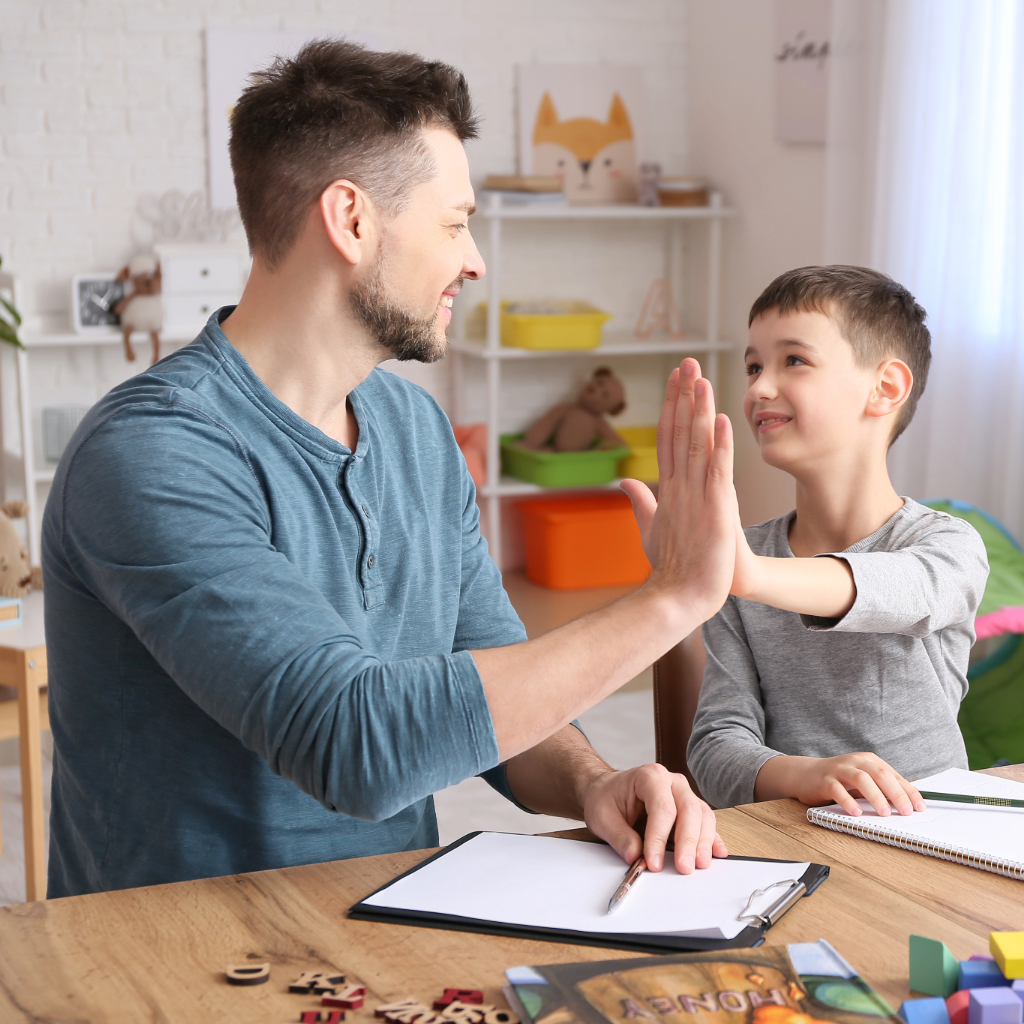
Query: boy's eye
(795,361)
(753,369)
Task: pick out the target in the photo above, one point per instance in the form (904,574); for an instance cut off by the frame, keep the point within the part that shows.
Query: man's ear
(350,220)
(893,385)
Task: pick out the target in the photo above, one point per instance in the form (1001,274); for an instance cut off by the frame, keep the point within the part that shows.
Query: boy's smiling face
(807,399)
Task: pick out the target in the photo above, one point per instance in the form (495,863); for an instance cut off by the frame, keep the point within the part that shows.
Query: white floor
(621,728)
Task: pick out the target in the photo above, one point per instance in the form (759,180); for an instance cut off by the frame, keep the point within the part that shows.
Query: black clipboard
(752,935)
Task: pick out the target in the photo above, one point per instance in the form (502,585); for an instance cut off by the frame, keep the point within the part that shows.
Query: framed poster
(585,124)
(802,47)
(232,55)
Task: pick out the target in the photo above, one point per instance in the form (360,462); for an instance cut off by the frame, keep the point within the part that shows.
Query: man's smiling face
(426,252)
(806,395)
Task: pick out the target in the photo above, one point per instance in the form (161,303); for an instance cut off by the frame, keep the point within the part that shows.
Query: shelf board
(552,211)
(510,486)
(74,339)
(614,344)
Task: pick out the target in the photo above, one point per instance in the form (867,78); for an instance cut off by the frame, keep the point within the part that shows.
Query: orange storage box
(584,541)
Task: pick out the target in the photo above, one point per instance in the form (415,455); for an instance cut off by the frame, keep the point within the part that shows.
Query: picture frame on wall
(93,298)
(585,124)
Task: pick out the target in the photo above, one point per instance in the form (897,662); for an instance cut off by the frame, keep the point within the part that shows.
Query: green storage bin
(559,469)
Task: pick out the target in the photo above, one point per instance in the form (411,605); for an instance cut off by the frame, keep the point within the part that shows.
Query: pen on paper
(636,869)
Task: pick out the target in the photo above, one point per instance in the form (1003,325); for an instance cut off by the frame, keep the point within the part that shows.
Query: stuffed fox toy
(17,578)
(596,160)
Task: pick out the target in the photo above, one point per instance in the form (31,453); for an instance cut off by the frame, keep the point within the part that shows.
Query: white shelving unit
(38,477)
(494,354)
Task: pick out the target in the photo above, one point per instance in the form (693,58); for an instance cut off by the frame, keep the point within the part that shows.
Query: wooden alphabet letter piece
(248,974)
(351,997)
(400,1006)
(463,995)
(321,1017)
(316,981)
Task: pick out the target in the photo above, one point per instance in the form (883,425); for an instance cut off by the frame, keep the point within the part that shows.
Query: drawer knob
(204,272)
(204,309)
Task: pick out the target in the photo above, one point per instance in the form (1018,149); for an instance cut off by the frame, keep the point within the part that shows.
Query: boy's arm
(931,584)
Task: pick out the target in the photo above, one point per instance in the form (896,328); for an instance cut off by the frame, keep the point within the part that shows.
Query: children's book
(802,983)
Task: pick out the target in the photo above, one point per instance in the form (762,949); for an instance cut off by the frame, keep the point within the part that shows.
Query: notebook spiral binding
(956,854)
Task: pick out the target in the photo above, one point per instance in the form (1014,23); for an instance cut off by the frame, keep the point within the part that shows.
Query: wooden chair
(23,666)
(677,678)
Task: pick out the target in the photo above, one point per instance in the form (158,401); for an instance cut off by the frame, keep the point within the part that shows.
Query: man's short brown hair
(337,110)
(878,317)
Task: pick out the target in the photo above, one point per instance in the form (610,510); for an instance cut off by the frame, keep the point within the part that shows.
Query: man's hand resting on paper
(614,801)
(838,780)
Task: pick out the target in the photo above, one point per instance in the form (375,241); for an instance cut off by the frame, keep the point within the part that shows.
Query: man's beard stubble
(395,329)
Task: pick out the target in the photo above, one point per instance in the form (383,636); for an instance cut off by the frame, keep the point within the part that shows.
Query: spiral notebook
(990,838)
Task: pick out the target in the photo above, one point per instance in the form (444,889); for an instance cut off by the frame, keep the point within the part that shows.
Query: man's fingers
(666,426)
(689,378)
(644,506)
(657,797)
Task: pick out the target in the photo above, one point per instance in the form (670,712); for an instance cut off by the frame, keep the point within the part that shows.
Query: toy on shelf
(642,461)
(933,969)
(17,577)
(472,441)
(551,324)
(580,426)
(659,313)
(647,185)
(143,309)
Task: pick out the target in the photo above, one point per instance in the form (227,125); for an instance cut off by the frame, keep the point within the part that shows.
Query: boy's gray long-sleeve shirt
(250,626)
(888,677)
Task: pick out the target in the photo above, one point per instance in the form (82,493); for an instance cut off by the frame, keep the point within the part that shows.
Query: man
(267,594)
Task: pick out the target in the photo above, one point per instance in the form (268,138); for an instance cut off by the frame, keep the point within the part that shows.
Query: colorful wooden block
(248,974)
(994,1006)
(1008,949)
(463,995)
(981,974)
(933,969)
(925,1011)
(351,997)
(1017,988)
(957,1005)
(316,981)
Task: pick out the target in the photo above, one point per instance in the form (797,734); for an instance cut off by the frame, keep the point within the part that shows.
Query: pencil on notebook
(961,798)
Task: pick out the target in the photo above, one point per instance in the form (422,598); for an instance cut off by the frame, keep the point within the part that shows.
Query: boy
(851,618)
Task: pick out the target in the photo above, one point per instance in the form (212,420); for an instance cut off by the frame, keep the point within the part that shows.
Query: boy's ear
(350,219)
(893,385)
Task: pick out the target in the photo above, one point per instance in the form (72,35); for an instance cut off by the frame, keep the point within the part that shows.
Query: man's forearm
(536,688)
(553,776)
(822,587)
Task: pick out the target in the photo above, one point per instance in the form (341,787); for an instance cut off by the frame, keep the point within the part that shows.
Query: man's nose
(472,262)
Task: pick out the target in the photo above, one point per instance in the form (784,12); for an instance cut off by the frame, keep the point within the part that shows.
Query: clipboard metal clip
(779,907)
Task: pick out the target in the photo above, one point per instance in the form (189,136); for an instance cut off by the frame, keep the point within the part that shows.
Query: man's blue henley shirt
(250,627)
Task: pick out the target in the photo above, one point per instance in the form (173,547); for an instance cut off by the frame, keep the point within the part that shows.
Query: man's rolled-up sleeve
(178,544)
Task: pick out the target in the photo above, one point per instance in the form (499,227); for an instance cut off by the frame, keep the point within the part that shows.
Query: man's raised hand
(689,530)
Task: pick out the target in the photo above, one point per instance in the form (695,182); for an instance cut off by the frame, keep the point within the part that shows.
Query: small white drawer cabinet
(197,279)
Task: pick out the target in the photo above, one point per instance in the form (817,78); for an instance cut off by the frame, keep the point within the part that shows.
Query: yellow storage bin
(642,461)
(551,324)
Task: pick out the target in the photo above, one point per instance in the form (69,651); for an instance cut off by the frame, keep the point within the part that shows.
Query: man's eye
(459,227)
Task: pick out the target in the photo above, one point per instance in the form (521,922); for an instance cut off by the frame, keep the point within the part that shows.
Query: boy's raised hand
(688,532)
(822,780)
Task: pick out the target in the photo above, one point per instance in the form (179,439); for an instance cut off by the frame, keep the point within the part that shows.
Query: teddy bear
(142,309)
(17,577)
(575,427)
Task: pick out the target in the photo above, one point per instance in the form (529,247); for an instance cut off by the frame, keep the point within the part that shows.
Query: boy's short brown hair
(878,317)
(336,110)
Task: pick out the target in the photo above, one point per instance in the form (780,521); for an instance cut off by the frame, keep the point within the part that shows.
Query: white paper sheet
(996,831)
(540,882)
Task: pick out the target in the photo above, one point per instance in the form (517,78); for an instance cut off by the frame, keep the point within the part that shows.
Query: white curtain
(925,181)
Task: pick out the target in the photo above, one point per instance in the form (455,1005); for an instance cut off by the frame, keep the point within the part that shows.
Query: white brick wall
(103,100)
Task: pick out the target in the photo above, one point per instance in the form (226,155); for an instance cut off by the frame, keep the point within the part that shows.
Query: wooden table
(158,953)
(23,666)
